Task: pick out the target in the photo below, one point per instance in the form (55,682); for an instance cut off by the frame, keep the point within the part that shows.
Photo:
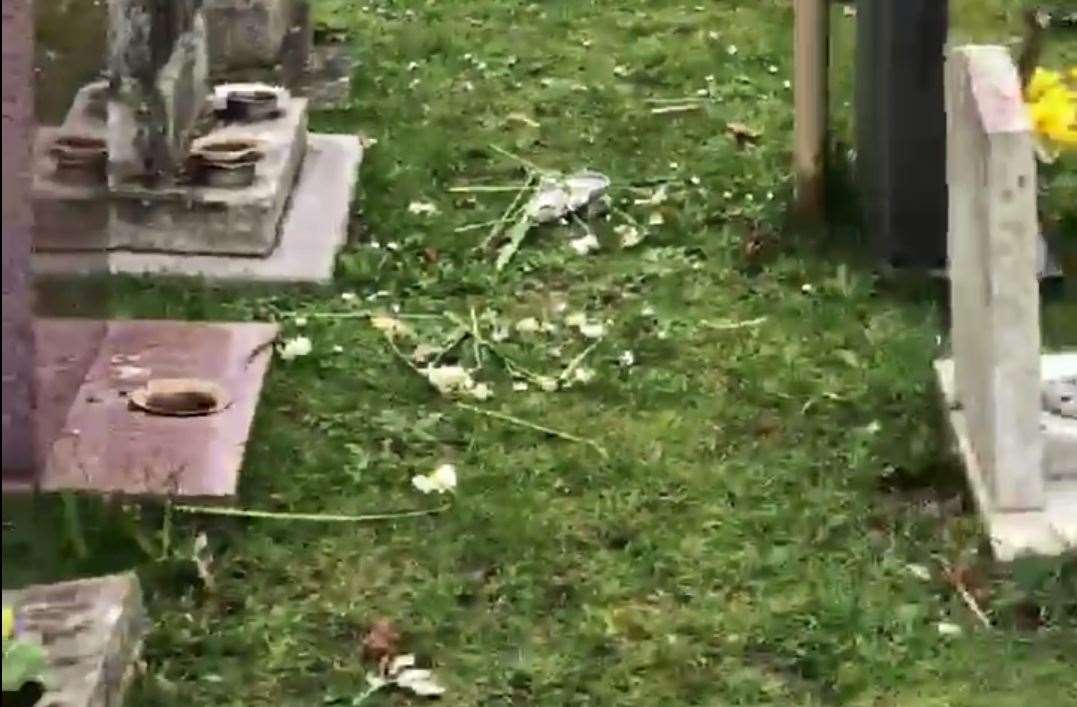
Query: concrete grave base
(1050,530)
(92,631)
(314,229)
(178,218)
(93,440)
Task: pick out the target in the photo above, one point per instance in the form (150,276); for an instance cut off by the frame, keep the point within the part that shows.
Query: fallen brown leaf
(743,134)
(381,643)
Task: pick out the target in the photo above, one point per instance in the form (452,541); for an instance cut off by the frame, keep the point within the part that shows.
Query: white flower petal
(945,628)
(593,330)
(294,348)
(585,244)
(530,325)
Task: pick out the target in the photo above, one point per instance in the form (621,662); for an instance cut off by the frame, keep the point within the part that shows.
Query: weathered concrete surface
(19,458)
(187,219)
(92,631)
(994,291)
(159,71)
(245,34)
(97,443)
(314,229)
(1048,530)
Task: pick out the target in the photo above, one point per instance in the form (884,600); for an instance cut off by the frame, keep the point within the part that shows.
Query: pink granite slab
(103,445)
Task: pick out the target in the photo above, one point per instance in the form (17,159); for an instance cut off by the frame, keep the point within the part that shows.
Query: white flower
(440,480)
(583,375)
(520,386)
(656,219)
(727,194)
(420,682)
(945,628)
(731,50)
(390,326)
(481,391)
(647,311)
(300,322)
(627,359)
(449,379)
(349,296)
(294,348)
(412,66)
(773,68)
(630,235)
(787,84)
(338,349)
(530,325)
(576,319)
(807,288)
(585,244)
(593,330)
(918,571)
(548,385)
(422,208)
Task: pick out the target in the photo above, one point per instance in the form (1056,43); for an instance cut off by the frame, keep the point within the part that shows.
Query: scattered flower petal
(585,244)
(422,208)
(529,325)
(918,571)
(945,628)
(593,330)
(583,375)
(294,348)
(440,480)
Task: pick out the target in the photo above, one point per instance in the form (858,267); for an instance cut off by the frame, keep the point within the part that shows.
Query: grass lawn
(748,537)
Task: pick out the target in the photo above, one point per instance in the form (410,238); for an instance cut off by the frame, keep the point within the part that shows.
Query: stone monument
(1012,409)
(155,171)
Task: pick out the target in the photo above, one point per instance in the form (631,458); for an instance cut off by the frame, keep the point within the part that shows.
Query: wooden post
(811,42)
(19,459)
(994,291)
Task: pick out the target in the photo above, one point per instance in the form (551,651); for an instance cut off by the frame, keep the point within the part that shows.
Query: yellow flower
(1042,81)
(1053,109)
(9,622)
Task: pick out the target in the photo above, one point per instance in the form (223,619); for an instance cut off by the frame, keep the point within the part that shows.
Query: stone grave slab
(1017,447)
(1050,529)
(95,441)
(313,231)
(92,631)
(178,218)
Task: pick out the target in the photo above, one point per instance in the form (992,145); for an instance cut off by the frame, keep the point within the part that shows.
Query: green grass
(746,541)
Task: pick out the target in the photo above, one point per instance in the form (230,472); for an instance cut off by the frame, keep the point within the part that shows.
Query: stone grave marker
(156,171)
(1018,450)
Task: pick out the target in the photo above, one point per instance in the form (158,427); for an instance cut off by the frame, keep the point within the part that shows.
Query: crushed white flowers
(440,480)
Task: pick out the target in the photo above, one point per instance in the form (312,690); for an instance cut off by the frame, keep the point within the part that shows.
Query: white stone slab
(1049,530)
(994,292)
(314,229)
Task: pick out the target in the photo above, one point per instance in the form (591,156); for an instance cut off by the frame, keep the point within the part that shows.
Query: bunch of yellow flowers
(1052,101)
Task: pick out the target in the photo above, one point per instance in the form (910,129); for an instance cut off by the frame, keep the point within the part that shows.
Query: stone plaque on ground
(92,632)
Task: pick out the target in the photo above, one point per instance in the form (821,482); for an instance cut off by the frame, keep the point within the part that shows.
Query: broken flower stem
(536,427)
(476,338)
(531,166)
(575,363)
(312,517)
(509,213)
